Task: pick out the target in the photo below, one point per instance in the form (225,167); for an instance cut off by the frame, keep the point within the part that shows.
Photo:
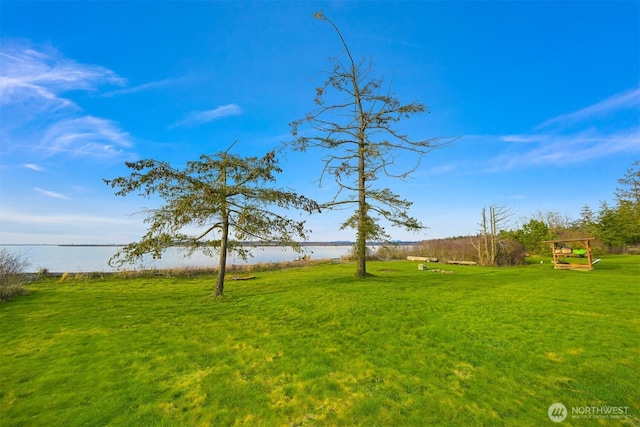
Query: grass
(315,346)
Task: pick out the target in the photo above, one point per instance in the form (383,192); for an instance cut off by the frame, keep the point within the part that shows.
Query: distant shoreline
(107,245)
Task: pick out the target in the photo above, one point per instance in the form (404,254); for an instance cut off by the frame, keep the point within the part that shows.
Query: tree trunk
(361,244)
(224,240)
(485,237)
(363,224)
(222,267)
(494,233)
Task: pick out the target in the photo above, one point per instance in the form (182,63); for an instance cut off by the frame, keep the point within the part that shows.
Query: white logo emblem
(557,412)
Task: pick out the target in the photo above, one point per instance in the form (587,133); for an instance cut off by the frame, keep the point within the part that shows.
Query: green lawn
(315,346)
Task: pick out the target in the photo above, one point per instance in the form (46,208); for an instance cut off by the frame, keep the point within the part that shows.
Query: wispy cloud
(34,83)
(589,133)
(34,167)
(569,149)
(52,194)
(85,137)
(522,138)
(29,75)
(620,101)
(143,87)
(445,168)
(200,117)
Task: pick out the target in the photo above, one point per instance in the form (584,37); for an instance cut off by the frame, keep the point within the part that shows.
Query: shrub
(633,250)
(510,253)
(12,276)
(353,256)
(450,249)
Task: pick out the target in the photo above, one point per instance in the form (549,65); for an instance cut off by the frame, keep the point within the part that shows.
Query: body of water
(89,259)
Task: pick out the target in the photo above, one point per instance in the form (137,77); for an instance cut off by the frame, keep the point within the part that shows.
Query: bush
(352,255)
(633,250)
(391,251)
(12,277)
(510,253)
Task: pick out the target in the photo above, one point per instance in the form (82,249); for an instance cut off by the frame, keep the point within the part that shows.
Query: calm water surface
(77,259)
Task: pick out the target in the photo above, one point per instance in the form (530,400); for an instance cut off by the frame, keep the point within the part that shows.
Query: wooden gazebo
(571,254)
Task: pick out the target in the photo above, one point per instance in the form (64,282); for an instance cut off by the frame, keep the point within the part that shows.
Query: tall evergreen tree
(356,130)
(628,197)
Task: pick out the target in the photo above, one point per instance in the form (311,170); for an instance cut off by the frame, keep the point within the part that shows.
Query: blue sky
(544,95)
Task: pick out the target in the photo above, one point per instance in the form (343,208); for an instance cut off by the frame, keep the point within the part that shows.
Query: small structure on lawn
(571,254)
